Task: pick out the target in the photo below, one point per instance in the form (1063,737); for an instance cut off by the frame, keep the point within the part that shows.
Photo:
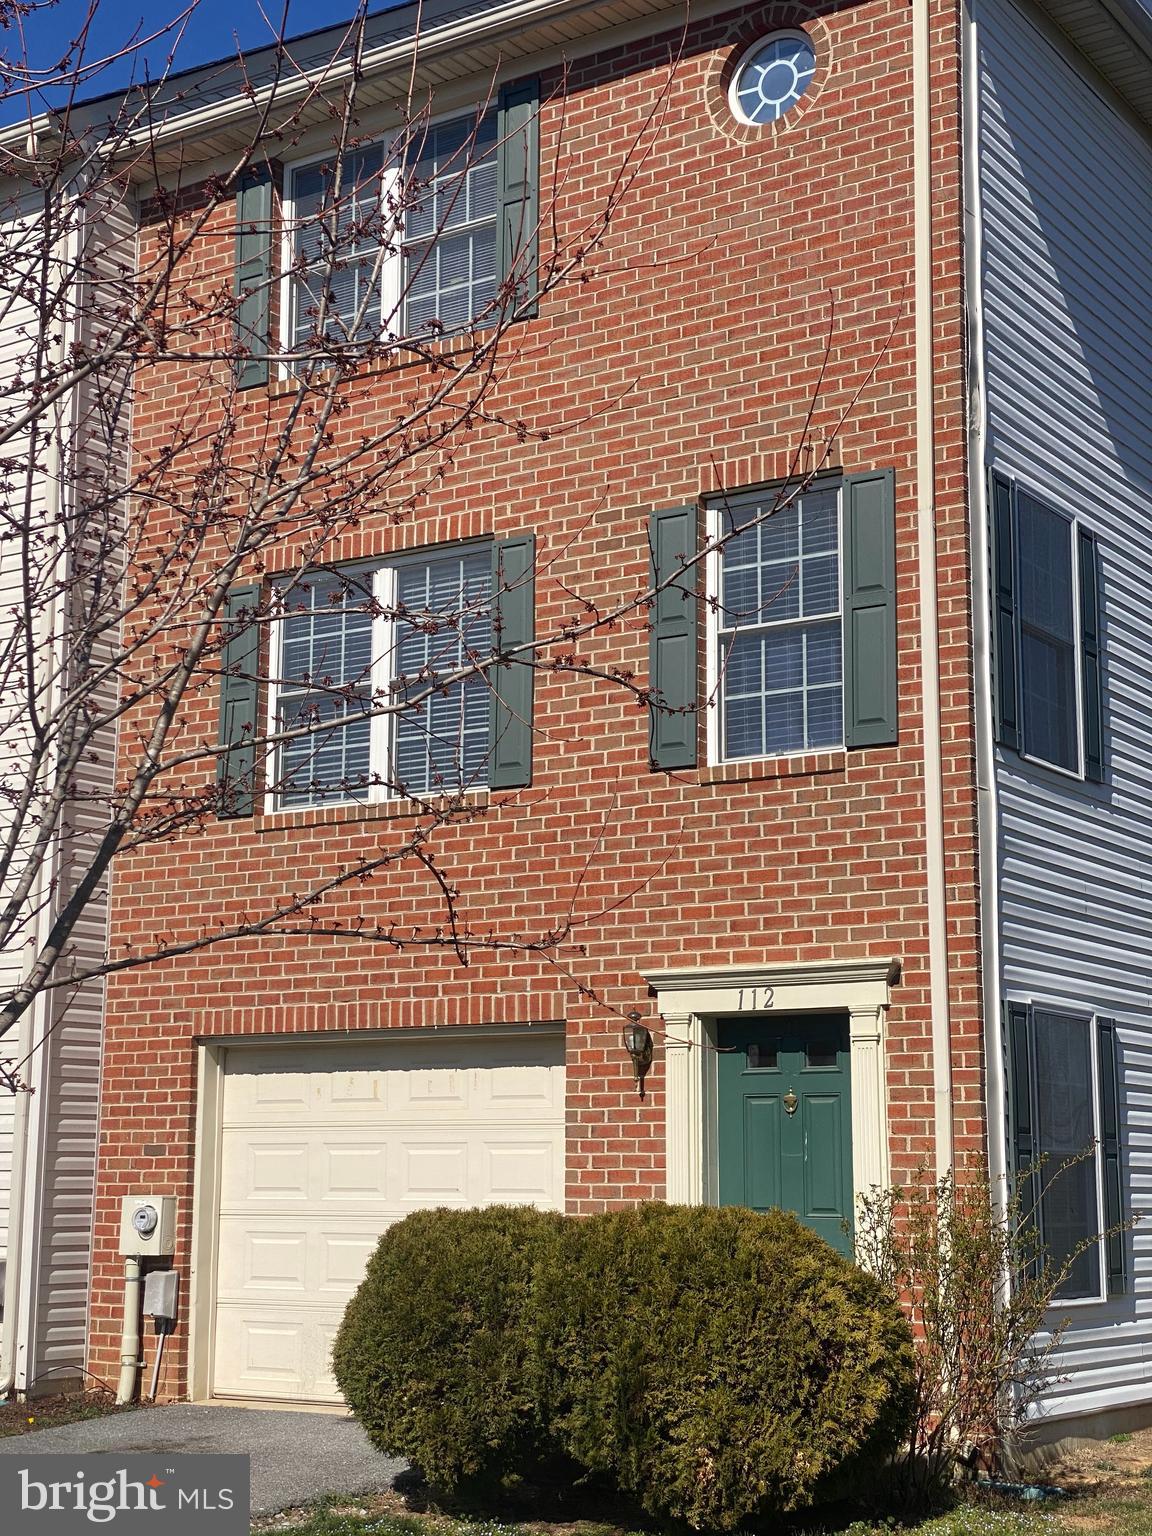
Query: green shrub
(431,1353)
(718,1364)
(715,1364)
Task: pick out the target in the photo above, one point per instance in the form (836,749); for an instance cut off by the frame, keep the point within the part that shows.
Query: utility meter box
(148,1226)
(160,1294)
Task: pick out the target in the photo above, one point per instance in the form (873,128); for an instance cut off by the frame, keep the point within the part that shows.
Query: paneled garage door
(323,1146)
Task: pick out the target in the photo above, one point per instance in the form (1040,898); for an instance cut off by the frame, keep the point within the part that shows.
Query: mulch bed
(60,1408)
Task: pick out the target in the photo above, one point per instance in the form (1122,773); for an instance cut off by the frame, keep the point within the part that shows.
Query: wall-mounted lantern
(638,1044)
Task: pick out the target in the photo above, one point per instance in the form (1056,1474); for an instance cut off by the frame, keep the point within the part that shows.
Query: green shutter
(1005,670)
(870,713)
(239,702)
(1115,1246)
(1090,668)
(518,201)
(1021,1126)
(672,657)
(253,328)
(513,622)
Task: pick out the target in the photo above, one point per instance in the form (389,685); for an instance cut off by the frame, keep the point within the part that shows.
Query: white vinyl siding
(18,328)
(66,1026)
(1066,208)
(7,1125)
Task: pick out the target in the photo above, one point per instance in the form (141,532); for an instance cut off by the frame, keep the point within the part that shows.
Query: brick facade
(688,363)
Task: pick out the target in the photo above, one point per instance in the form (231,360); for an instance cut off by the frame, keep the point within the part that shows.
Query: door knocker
(790,1102)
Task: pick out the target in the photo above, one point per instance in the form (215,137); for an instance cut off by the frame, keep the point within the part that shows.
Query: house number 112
(756,999)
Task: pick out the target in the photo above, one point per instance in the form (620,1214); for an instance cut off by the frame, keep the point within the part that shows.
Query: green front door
(784,1118)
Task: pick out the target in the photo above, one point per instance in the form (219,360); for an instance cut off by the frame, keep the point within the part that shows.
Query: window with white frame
(355,640)
(449,274)
(1065,1144)
(380,249)
(1048,673)
(1048,693)
(1064,1069)
(778,639)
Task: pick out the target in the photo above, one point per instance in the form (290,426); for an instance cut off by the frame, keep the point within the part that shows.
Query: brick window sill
(434,352)
(799,765)
(474,803)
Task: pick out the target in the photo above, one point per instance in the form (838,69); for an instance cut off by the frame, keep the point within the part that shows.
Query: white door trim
(205,1228)
(691,1000)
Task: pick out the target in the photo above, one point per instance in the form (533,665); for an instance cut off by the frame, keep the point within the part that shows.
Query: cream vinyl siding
(324,1146)
(7,1116)
(1066,207)
(71,1064)
(18,324)
(54,1259)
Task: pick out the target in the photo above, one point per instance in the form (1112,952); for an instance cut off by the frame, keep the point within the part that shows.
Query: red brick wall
(690,360)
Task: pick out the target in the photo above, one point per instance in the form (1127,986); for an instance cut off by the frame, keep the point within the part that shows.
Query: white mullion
(717,744)
(287,256)
(391,268)
(380,730)
(271,705)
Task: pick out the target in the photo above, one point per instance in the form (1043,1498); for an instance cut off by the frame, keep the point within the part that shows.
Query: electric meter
(145,1220)
(148,1226)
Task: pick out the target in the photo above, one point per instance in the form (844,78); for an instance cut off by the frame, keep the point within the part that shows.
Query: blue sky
(212,30)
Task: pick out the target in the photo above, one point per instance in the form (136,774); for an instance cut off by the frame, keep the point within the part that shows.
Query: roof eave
(1115,36)
(472,42)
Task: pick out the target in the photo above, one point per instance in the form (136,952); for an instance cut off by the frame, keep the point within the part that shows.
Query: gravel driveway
(296,1457)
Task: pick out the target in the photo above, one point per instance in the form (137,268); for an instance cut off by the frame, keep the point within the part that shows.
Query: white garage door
(323,1146)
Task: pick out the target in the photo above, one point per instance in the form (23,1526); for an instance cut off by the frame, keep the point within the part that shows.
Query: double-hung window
(778,632)
(383,246)
(1065,1125)
(369,699)
(394,240)
(342,237)
(450,260)
(1049,692)
(801,607)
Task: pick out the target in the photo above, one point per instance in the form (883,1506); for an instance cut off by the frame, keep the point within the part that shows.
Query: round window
(771,77)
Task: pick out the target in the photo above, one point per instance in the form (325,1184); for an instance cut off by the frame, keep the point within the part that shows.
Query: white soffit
(1115,36)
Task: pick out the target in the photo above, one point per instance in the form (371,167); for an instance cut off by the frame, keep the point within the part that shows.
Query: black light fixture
(638,1044)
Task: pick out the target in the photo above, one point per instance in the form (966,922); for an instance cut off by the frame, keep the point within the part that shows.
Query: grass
(366,1517)
(1118,1506)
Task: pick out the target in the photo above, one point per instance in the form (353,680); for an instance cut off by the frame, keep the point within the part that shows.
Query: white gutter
(929,602)
(987,796)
